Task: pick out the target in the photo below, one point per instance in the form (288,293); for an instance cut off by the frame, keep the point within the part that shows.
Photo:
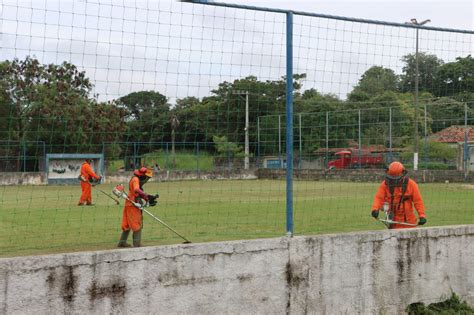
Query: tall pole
(415,151)
(247,153)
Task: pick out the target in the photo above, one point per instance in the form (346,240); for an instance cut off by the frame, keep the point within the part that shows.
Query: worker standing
(87,177)
(132,218)
(401,195)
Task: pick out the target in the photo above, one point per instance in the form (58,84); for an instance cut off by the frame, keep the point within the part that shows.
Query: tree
(51,103)
(376,80)
(147,116)
(26,82)
(223,113)
(445,112)
(81,129)
(455,77)
(313,107)
(376,119)
(226,148)
(428,66)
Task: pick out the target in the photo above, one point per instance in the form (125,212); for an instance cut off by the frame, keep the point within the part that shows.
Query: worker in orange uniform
(132,218)
(87,177)
(400,194)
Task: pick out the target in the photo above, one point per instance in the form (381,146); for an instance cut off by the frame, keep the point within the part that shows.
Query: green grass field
(45,219)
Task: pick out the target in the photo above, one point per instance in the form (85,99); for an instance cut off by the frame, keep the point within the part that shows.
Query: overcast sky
(182,49)
(446,13)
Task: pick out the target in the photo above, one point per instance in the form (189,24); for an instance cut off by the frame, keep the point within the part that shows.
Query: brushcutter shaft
(118,191)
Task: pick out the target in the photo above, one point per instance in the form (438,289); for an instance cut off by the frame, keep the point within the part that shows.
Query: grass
(45,219)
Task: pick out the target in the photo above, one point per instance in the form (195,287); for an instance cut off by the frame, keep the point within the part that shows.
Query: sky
(183,49)
(457,14)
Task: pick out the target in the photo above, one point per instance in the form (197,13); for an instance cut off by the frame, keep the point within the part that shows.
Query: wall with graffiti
(65,168)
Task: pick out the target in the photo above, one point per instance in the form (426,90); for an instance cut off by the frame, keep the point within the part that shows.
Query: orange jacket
(403,212)
(133,189)
(132,216)
(87,172)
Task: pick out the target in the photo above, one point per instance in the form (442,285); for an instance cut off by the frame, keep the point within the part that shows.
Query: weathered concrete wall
(120,177)
(366,175)
(356,273)
(39,178)
(19,178)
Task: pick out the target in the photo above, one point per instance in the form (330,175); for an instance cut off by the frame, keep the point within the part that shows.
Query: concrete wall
(19,178)
(367,175)
(39,178)
(124,177)
(356,273)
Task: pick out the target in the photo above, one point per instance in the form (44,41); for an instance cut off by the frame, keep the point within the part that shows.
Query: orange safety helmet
(396,169)
(143,171)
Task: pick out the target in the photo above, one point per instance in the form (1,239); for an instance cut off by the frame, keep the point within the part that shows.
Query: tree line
(53,103)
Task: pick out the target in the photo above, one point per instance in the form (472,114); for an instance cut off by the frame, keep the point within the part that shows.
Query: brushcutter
(387,221)
(108,195)
(119,192)
(94,184)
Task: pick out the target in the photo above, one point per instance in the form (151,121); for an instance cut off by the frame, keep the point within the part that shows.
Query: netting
(198,94)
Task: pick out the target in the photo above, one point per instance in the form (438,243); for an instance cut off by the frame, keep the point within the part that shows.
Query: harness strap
(402,197)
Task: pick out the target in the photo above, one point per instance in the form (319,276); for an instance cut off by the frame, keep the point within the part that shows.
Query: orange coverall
(132,216)
(87,173)
(404,212)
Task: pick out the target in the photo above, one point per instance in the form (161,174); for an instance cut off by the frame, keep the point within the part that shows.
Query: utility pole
(417,77)
(246,93)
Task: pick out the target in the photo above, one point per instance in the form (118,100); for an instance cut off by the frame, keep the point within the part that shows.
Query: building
(461,138)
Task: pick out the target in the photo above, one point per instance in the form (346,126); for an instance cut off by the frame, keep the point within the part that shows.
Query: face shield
(394,181)
(143,180)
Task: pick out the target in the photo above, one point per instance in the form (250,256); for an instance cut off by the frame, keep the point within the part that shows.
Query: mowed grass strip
(46,219)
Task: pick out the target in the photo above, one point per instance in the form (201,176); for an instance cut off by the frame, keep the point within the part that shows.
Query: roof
(454,134)
(369,149)
(344,152)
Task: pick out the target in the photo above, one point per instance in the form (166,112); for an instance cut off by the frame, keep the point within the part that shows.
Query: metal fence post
(327,139)
(301,144)
(390,134)
(360,141)
(289,123)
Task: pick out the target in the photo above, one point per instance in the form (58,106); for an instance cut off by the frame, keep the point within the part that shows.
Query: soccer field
(46,219)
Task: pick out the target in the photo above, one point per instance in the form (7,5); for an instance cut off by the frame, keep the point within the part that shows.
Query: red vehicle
(355,158)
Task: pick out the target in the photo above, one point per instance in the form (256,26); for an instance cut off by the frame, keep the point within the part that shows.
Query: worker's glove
(422,221)
(152,200)
(375,213)
(94,181)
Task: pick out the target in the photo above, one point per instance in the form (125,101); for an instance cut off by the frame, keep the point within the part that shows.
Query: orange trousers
(132,218)
(86,196)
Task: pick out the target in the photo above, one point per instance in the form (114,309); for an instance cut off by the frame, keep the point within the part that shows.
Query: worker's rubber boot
(123,239)
(137,238)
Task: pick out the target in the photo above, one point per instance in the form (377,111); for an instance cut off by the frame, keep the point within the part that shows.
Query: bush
(436,151)
(453,305)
